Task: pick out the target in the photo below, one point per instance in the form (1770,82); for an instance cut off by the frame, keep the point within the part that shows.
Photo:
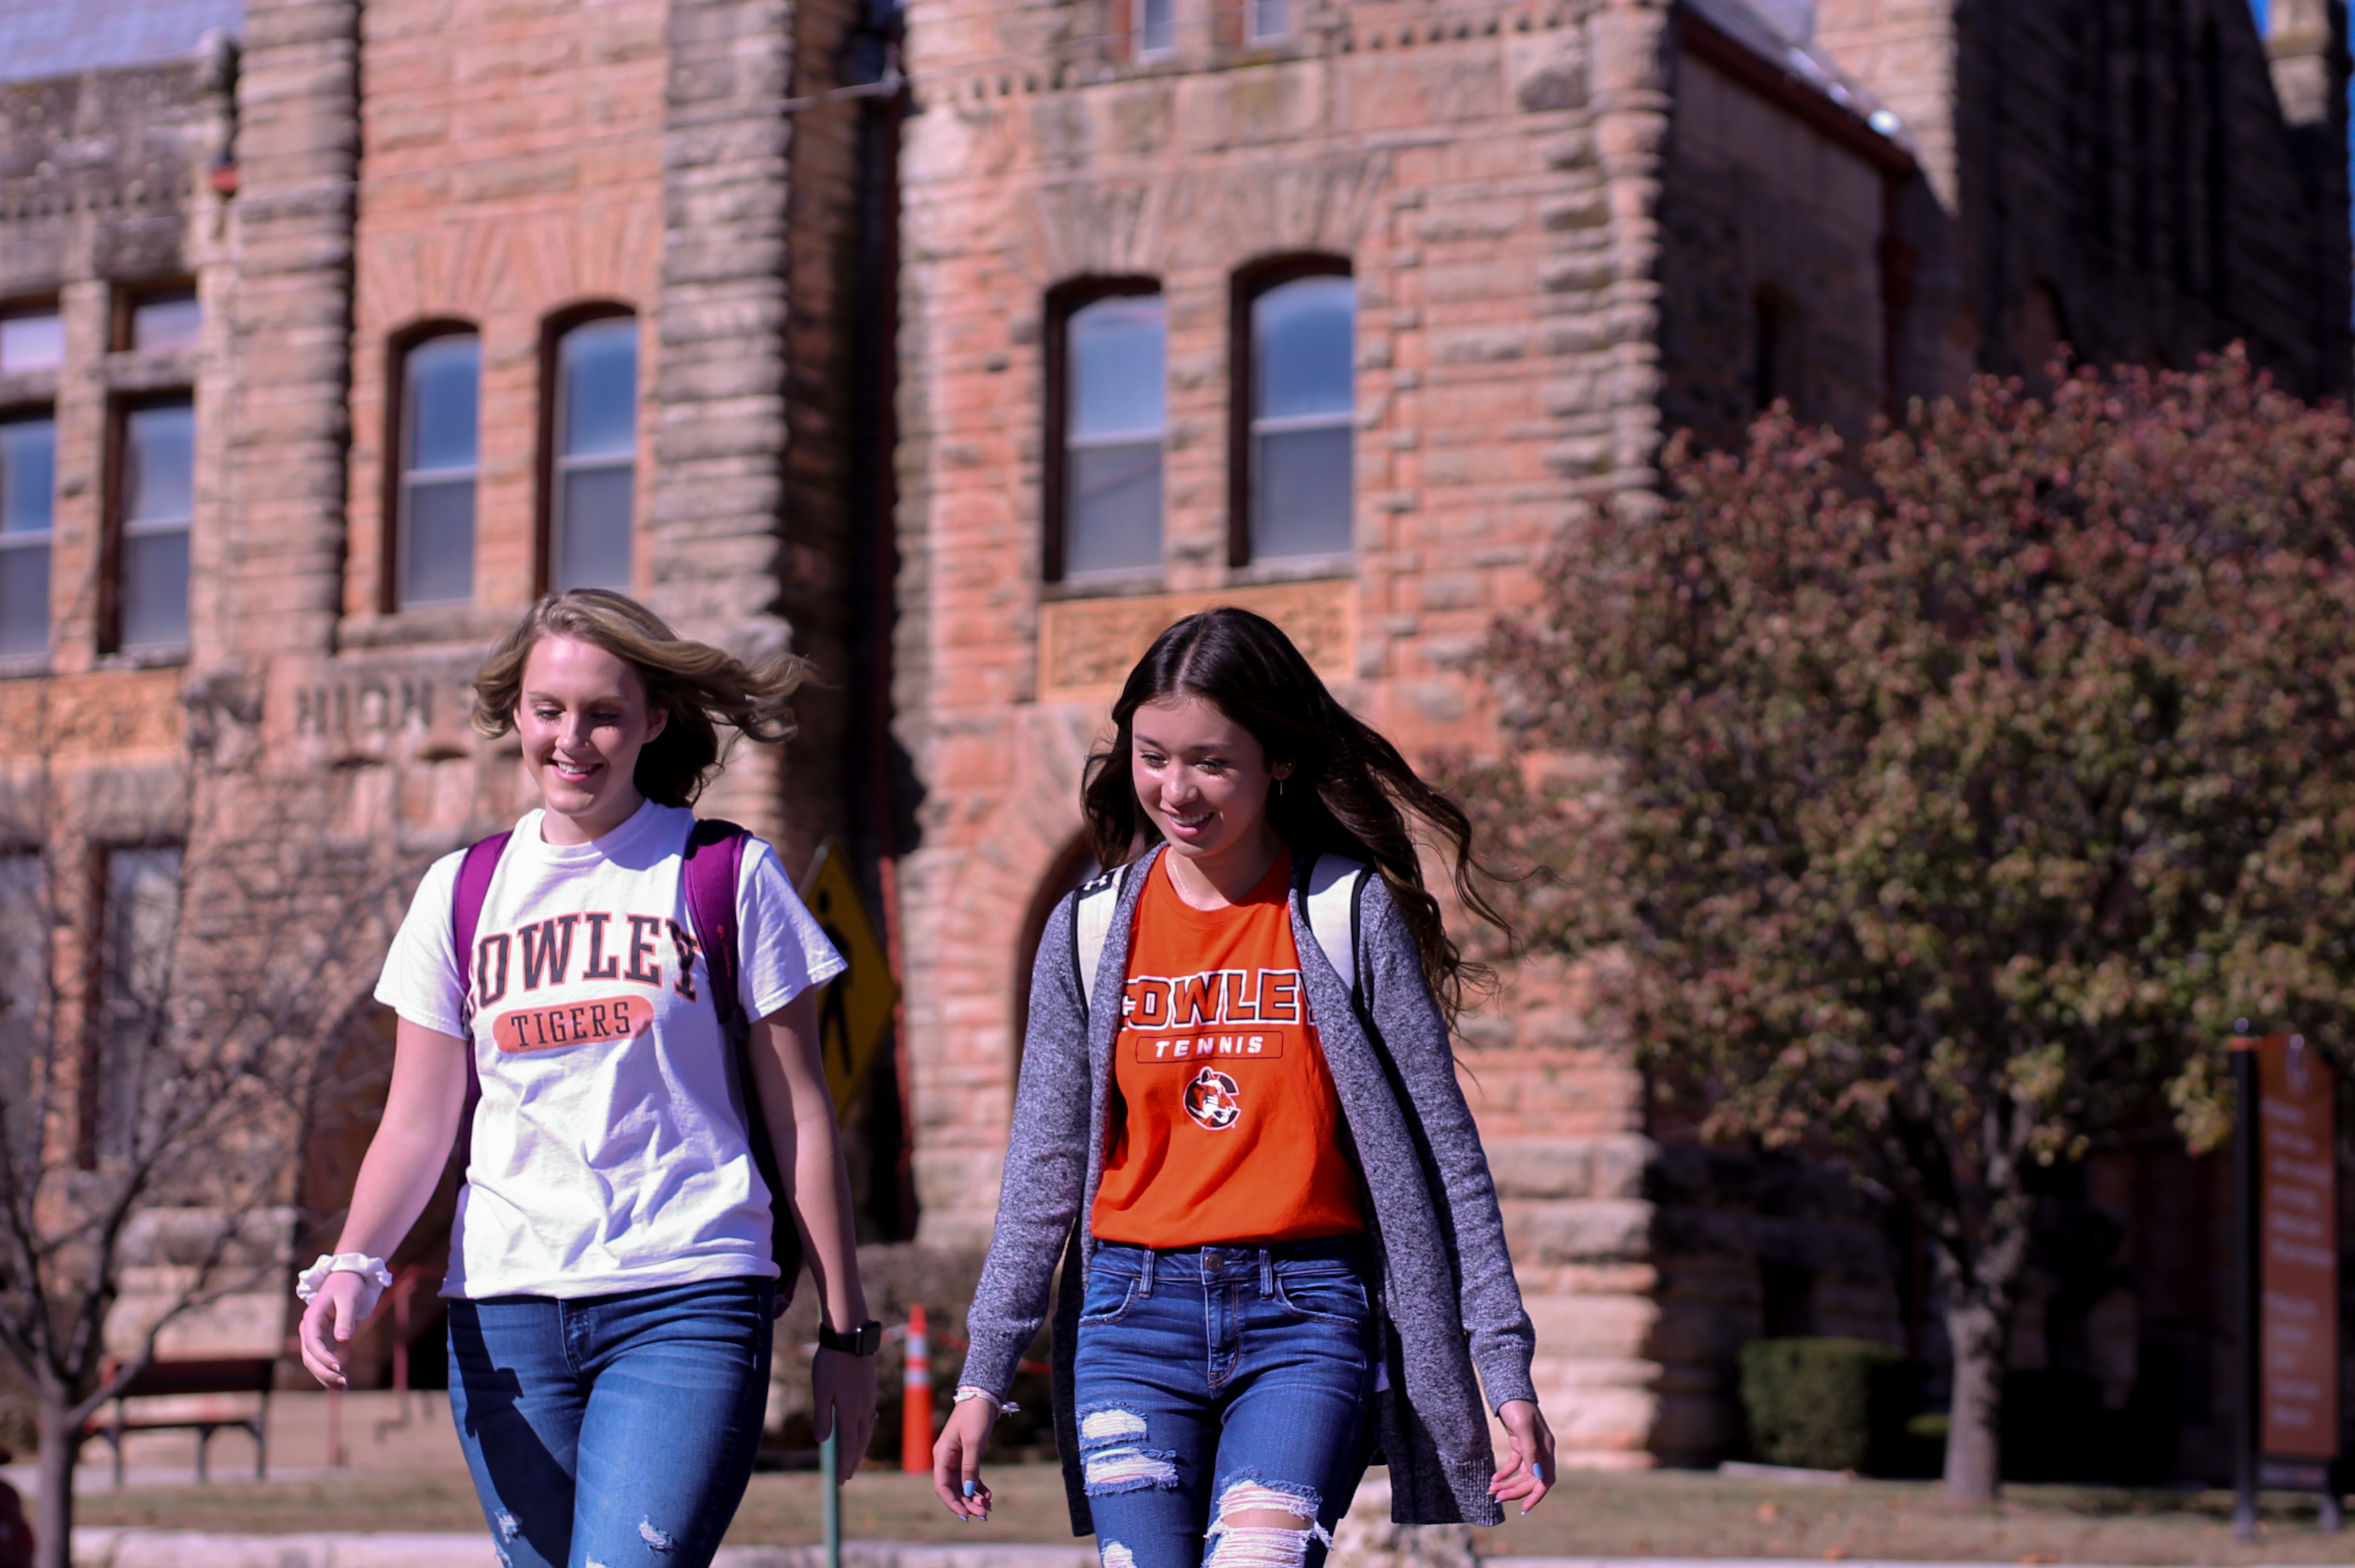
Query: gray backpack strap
(1334,882)
(1091,925)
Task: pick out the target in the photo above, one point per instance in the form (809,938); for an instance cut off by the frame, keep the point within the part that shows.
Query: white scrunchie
(375,1279)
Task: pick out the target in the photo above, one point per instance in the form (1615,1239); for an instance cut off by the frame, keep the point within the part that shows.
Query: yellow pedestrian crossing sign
(855,1007)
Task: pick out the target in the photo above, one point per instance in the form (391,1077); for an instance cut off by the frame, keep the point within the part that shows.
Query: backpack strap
(475,874)
(1335,882)
(1092,925)
(714,868)
(715,864)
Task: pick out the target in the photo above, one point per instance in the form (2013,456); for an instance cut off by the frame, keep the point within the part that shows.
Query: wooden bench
(196,1388)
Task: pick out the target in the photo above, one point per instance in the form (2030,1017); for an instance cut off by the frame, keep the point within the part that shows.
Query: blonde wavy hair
(699,687)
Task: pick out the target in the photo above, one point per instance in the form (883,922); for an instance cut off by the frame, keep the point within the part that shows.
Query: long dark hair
(1350,793)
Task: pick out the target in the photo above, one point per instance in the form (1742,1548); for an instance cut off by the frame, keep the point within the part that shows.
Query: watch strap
(863,1341)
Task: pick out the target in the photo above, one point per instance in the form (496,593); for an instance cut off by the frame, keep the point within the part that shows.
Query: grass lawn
(1662,1514)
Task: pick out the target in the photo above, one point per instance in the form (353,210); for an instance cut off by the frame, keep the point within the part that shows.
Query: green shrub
(1825,1405)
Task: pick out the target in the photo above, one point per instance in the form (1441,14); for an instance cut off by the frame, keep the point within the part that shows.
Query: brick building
(1123,307)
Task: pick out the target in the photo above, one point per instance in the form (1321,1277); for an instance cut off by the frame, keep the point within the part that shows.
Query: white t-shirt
(610,1145)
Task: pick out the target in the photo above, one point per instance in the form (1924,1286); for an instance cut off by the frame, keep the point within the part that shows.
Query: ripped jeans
(611,1431)
(1220,1381)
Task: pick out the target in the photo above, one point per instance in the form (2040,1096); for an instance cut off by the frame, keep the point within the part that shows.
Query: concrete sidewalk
(100,1548)
(105,1548)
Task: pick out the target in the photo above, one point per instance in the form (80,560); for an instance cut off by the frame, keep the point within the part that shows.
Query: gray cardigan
(1446,1298)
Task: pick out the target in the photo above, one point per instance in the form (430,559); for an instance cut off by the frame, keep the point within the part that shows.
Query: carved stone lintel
(105,713)
(1087,646)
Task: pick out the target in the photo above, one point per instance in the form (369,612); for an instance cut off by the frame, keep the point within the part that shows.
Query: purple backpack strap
(465,916)
(715,863)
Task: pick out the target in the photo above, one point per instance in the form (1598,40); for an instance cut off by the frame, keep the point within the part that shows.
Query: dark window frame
(12,413)
(398,346)
(1243,365)
(119,411)
(125,298)
(1063,302)
(1777,330)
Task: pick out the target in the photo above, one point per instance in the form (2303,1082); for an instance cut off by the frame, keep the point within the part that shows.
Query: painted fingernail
(970,1488)
(1538,1470)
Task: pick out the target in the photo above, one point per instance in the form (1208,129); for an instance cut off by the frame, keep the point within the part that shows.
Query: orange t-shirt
(1225,1126)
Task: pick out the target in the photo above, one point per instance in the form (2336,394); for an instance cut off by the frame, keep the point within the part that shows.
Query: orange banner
(2299,1257)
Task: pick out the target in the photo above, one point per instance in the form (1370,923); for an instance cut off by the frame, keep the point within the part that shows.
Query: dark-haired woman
(1240,1130)
(611,1275)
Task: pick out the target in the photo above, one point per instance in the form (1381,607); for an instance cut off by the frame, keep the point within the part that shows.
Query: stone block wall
(509,171)
(2140,180)
(1770,266)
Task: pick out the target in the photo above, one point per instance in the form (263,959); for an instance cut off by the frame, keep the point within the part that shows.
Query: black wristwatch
(863,1341)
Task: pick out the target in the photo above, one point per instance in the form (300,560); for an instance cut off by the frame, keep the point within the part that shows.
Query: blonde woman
(612,1276)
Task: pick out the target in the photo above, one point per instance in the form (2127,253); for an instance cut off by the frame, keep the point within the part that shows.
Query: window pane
(143,906)
(1157,26)
(166,320)
(594,541)
(1118,386)
(22,935)
(1300,500)
(1302,332)
(24,993)
(601,389)
(23,600)
(155,589)
(1270,19)
(32,342)
(159,463)
(29,475)
(1114,499)
(438,545)
(442,380)
(143,916)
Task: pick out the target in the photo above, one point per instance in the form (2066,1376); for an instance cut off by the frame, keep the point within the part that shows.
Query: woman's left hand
(1531,1475)
(842,1390)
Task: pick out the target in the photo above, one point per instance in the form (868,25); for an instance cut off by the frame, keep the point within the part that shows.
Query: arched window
(435,452)
(1107,414)
(593,466)
(1296,490)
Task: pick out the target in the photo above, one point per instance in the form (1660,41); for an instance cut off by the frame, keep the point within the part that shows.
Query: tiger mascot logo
(1213,1100)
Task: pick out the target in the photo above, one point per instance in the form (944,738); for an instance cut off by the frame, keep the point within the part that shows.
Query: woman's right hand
(328,1325)
(956,1458)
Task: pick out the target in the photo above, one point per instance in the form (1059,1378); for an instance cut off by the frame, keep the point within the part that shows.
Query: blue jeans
(616,1430)
(1239,1379)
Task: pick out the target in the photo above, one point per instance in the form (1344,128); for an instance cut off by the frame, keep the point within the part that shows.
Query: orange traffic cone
(916,1403)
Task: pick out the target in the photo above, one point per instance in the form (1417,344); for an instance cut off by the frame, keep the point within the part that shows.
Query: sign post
(2286,1192)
